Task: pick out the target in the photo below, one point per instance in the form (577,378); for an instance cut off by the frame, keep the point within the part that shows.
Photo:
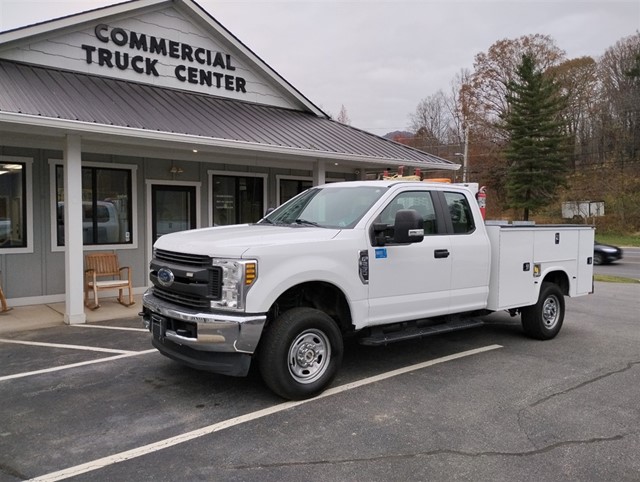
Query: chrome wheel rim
(309,356)
(551,312)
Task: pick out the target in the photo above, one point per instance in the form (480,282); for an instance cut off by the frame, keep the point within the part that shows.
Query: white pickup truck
(383,261)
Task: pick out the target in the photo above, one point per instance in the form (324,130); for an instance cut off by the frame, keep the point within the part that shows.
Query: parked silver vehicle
(108,224)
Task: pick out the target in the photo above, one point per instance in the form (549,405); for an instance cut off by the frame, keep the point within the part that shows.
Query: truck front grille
(196,282)
(182,258)
(182,299)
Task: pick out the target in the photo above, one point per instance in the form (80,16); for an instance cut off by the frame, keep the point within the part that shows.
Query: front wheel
(300,353)
(544,319)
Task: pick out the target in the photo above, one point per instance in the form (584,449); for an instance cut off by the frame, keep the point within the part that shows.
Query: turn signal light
(250,273)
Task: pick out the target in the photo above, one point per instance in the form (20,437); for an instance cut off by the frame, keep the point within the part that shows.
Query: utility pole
(465,156)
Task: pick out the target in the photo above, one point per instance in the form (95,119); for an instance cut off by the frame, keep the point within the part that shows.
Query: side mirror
(409,227)
(379,239)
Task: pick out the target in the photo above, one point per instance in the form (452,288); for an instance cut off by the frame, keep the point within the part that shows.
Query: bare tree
(621,92)
(579,83)
(485,94)
(431,120)
(343,117)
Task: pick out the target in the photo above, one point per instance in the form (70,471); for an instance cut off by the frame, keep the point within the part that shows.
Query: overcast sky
(380,58)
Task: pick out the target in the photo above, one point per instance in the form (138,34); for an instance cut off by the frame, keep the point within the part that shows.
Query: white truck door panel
(410,281)
(470,255)
(585,263)
(470,262)
(512,282)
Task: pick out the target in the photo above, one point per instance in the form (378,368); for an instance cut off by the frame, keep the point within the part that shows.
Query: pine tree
(537,152)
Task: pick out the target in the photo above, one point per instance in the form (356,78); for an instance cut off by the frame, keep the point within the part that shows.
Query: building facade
(145,118)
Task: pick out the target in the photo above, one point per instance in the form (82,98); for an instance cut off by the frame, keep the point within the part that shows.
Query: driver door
(410,281)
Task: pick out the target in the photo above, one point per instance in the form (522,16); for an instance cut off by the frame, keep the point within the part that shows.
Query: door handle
(441,253)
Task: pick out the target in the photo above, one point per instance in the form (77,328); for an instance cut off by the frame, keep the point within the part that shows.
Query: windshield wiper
(306,222)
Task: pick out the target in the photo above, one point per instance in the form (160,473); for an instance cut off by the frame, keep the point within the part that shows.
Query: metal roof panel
(57,94)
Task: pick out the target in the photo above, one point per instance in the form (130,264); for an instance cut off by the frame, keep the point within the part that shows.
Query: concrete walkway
(22,318)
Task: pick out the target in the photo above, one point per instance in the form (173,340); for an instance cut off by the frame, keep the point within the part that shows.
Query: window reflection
(106,206)
(13,214)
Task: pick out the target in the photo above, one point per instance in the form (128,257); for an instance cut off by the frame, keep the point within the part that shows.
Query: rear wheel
(597,259)
(544,319)
(300,353)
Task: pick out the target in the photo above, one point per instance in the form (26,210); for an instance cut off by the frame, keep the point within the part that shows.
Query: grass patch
(618,239)
(613,279)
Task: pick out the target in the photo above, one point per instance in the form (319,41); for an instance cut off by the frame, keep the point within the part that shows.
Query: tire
(598,259)
(300,353)
(543,320)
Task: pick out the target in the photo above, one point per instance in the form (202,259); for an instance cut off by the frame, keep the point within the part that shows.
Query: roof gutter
(189,141)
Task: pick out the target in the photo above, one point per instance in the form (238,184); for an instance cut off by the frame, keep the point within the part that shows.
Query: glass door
(173,208)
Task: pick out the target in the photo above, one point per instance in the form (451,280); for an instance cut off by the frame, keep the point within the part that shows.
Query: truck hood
(233,241)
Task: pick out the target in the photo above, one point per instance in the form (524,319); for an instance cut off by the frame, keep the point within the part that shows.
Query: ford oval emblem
(165,277)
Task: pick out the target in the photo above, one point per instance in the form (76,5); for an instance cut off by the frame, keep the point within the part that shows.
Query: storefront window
(237,199)
(13,210)
(106,206)
(292,187)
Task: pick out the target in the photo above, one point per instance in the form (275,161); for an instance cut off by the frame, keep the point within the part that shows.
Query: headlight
(237,277)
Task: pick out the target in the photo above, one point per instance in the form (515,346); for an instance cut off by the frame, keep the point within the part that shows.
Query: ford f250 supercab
(381,261)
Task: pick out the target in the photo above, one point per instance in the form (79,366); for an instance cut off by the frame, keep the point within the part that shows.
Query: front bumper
(203,332)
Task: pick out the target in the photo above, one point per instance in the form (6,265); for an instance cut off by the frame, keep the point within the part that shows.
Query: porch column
(319,172)
(73,254)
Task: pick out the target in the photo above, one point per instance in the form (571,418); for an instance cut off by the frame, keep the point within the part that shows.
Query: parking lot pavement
(485,404)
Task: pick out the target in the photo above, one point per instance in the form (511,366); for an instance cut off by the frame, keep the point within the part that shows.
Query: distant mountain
(395,135)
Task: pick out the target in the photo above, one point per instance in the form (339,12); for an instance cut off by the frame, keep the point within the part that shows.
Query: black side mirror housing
(409,227)
(379,239)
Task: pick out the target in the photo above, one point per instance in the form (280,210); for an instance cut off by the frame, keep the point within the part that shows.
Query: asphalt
(101,404)
(34,317)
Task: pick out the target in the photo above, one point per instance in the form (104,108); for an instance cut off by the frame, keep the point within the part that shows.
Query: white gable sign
(161,48)
(141,53)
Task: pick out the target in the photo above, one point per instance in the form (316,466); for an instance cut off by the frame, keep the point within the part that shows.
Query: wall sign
(128,50)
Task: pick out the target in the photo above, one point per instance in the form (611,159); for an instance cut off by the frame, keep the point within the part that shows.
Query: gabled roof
(41,93)
(43,96)
(24,35)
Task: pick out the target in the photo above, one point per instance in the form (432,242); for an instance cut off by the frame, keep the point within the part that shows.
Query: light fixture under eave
(195,150)
(175,170)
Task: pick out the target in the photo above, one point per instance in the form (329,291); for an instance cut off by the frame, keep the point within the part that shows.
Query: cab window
(419,201)
(460,212)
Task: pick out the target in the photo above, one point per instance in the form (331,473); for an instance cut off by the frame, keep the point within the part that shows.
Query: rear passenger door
(470,253)
(410,281)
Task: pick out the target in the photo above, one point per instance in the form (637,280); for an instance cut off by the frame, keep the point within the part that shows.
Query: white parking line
(120,328)
(74,365)
(169,442)
(59,345)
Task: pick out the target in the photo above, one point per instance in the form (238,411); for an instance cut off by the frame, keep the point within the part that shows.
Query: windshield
(329,207)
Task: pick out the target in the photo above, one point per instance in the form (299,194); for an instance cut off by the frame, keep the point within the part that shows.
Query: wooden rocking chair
(105,265)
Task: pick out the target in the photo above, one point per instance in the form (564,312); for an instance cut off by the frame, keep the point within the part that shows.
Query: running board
(379,337)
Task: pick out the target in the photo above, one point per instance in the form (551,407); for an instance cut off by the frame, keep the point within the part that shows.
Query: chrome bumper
(212,332)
